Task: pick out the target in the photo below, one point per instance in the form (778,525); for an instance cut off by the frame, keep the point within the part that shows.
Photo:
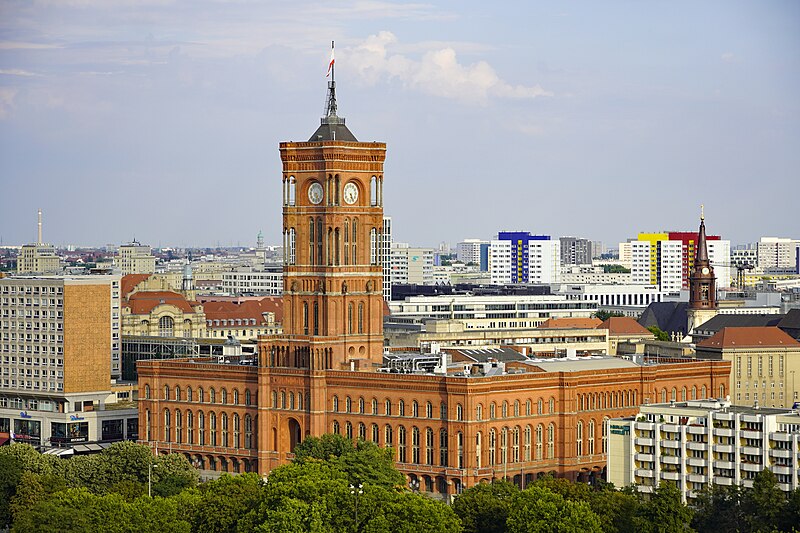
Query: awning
(59,452)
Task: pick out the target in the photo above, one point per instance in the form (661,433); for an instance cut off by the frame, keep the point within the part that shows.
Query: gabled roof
(753,337)
(668,316)
(247,309)
(142,303)
(572,323)
(128,283)
(738,321)
(624,325)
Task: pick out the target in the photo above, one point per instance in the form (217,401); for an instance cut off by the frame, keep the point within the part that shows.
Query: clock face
(350,193)
(705,270)
(315,193)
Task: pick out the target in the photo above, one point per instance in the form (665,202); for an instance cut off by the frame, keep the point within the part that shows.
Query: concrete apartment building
(411,265)
(135,258)
(519,257)
(263,281)
(60,348)
(575,251)
(778,253)
(697,442)
(471,251)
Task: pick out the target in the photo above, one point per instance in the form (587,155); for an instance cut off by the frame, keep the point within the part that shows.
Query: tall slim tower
(702,286)
(332,229)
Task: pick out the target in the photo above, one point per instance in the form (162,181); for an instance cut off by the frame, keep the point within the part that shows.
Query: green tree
(660,334)
(10,475)
(538,509)
(127,461)
(569,490)
(34,488)
(224,501)
(605,315)
(664,512)
(764,503)
(615,508)
(719,508)
(326,447)
(31,460)
(790,517)
(484,508)
(171,474)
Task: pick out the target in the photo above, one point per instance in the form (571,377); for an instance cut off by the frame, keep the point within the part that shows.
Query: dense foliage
(319,492)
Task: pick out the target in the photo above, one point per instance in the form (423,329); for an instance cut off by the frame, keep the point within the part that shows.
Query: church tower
(702,283)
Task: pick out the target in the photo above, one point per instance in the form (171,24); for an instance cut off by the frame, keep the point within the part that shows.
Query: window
(579,439)
(375,408)
(388,407)
(401,408)
(401,444)
(166,326)
(551,437)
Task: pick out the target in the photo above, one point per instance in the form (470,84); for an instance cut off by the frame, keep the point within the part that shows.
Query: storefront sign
(24,414)
(75,417)
(620,430)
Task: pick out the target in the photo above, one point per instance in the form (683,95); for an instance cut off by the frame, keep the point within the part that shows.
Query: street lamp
(356,490)
(414,485)
(150,466)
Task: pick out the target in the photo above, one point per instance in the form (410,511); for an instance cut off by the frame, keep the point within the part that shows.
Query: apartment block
(412,265)
(665,259)
(697,443)
(519,257)
(135,258)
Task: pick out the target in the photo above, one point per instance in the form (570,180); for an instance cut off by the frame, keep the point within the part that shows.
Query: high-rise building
(576,251)
(469,251)
(60,344)
(135,258)
(412,265)
(666,259)
(778,253)
(519,257)
(38,258)
(386,257)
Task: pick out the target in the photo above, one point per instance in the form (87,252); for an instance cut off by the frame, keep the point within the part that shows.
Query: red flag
(330,65)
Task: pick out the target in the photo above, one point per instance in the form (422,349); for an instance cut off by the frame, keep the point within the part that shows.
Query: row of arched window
(673,394)
(515,444)
(607,400)
(201,428)
(412,445)
(506,413)
(290,400)
(201,396)
(414,409)
(585,444)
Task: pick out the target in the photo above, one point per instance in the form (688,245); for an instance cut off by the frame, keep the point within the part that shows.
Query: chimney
(39,240)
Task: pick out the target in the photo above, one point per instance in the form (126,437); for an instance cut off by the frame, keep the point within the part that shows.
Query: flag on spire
(330,65)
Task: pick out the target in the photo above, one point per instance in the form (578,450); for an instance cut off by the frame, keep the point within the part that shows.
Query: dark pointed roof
(668,316)
(701,251)
(332,127)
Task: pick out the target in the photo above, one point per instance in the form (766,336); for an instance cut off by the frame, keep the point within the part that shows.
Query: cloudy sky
(160,119)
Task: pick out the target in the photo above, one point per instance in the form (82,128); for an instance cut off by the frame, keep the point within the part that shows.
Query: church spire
(701,249)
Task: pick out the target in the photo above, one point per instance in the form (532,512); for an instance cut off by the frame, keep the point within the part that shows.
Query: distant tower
(702,286)
(260,241)
(39,237)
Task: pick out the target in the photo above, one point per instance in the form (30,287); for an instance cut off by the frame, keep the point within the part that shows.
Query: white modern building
(253,281)
(664,262)
(703,442)
(411,265)
(492,312)
(517,257)
(629,299)
(386,257)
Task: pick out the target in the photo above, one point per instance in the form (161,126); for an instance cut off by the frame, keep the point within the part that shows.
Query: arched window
(361,405)
(515,445)
(178,427)
(189,397)
(703,393)
(551,406)
(722,391)
(290,193)
(388,437)
(459,412)
(212,427)
(443,411)
(348,405)
(591,436)
(223,421)
(247,397)
(373,191)
(177,393)
(300,401)
(335,407)
(189,428)
(429,410)
(605,434)
(236,430)
(320,260)
(429,450)
(166,392)
(249,441)
(354,241)
(224,395)
(492,447)
(362,431)
(579,438)
(683,394)
(346,242)
(388,407)
(350,318)
(166,326)
(505,409)
(212,395)
(401,444)
(336,429)
(539,407)
(201,428)
(283,399)
(479,412)
(527,443)
(291,400)
(492,411)
(375,433)
(674,395)
(167,426)
(361,317)
(415,447)
(694,392)
(292,249)
(663,395)
(401,408)
(551,439)
(201,397)
(539,438)
(348,429)
(528,408)
(516,407)
(478,450)
(415,409)
(375,408)
(316,318)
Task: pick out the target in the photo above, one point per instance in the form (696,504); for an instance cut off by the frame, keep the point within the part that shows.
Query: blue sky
(160,119)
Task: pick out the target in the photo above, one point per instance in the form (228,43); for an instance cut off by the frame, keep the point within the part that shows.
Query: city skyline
(159,120)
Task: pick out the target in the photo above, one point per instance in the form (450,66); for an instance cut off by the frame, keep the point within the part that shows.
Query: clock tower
(702,283)
(332,230)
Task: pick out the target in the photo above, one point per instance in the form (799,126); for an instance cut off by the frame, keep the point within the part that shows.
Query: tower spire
(332,126)
(331,107)
(701,249)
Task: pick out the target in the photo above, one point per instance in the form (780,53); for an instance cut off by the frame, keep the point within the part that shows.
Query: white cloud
(17,72)
(437,72)
(728,57)
(7,95)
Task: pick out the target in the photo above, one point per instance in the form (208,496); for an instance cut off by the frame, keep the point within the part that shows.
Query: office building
(38,258)
(135,258)
(519,257)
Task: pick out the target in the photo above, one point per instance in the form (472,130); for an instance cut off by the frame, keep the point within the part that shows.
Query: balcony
(674,444)
(785,487)
(697,478)
(781,469)
(645,426)
(700,446)
(724,432)
(670,459)
(696,461)
(672,476)
(727,481)
(643,472)
(752,467)
(728,465)
(645,489)
(671,428)
(780,452)
(751,450)
(747,483)
(641,441)
(646,457)
(750,434)
(696,430)
(781,437)
(723,448)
